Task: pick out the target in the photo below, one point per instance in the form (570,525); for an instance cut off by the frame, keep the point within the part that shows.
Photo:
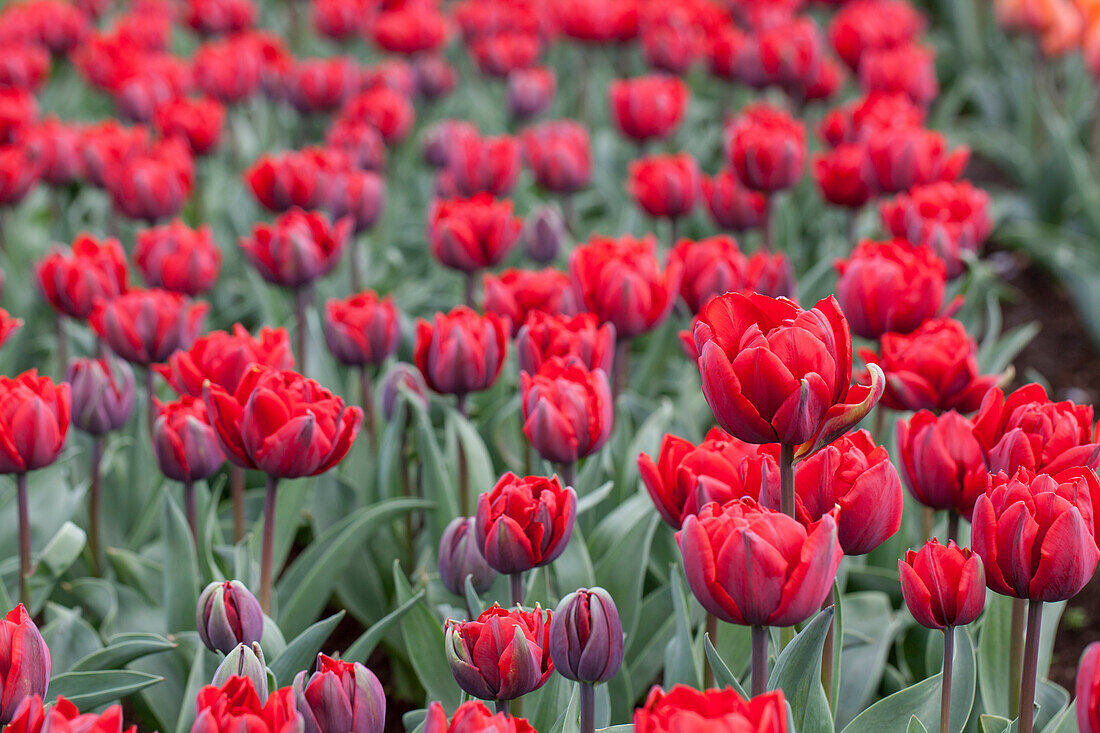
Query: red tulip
(715,265)
(72,280)
(25,660)
(598,21)
(785,52)
(473,717)
(889,286)
(340,696)
(731,205)
(359,141)
(1088,690)
(1035,533)
(198,122)
(435,77)
(235,706)
(395,74)
(904,157)
(503,654)
(229,70)
(146,326)
(766,147)
(559,155)
(530,91)
(153,185)
(515,294)
(472,234)
(773,372)
(219,17)
(942,585)
(856,121)
(862,25)
(223,358)
(497,54)
(178,258)
(683,709)
(297,249)
(32,717)
(665,185)
(321,84)
(362,329)
(844,175)
(56,148)
(544,336)
(461,352)
(648,107)
(296,178)
(951,218)
(441,138)
(410,30)
(524,523)
(621,282)
(18,173)
(183,441)
(568,410)
(942,461)
(908,69)
(484,164)
(391,113)
(934,367)
(672,40)
(686,477)
(1028,430)
(34,420)
(106,145)
(857,477)
(281,423)
(18,111)
(785,570)
(358,195)
(24,66)
(102,394)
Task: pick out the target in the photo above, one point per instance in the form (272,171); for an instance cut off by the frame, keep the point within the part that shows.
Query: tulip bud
(24,661)
(586,636)
(35,422)
(648,107)
(402,376)
(461,351)
(942,585)
(460,558)
(530,91)
(559,155)
(244,661)
(435,78)
(441,137)
(102,394)
(568,410)
(340,697)
(1088,690)
(766,147)
(227,614)
(942,461)
(524,523)
(503,654)
(664,185)
(184,443)
(544,234)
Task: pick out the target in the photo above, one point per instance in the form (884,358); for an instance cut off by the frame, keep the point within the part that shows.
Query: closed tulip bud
(244,661)
(484,164)
(586,636)
(440,139)
(227,614)
(72,280)
(664,185)
(621,281)
(24,661)
(889,286)
(942,585)
(544,336)
(34,422)
(402,376)
(1088,690)
(732,206)
(761,393)
(362,329)
(686,477)
(503,654)
(460,558)
(1028,430)
(544,234)
(524,523)
(789,568)
(559,155)
(568,410)
(146,326)
(648,107)
(473,717)
(297,249)
(472,234)
(183,441)
(1035,533)
(435,78)
(102,394)
(358,195)
(515,294)
(461,352)
(766,147)
(935,367)
(942,461)
(178,258)
(685,709)
(530,91)
(950,217)
(340,697)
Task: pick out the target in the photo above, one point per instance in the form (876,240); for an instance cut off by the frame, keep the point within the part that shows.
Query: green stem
(759,660)
(192,511)
(504,706)
(827,651)
(1031,666)
(301,305)
(24,537)
(588,707)
(516,581)
(945,679)
(366,389)
(93,505)
(712,632)
(952,525)
(236,490)
(267,551)
(786,479)
(1016,656)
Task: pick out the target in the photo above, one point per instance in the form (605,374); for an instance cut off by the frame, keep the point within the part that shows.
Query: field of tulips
(549,365)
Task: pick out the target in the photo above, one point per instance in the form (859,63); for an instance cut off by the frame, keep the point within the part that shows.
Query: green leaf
(302,651)
(307,584)
(435,476)
(993,724)
(573,568)
(870,625)
(723,677)
(181,571)
(69,636)
(89,690)
(423,634)
(797,672)
(197,677)
(122,650)
(361,648)
(682,663)
(622,542)
(923,698)
(915,726)
(994,643)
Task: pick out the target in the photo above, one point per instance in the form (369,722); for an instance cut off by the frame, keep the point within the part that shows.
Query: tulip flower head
(767,148)
(502,654)
(224,357)
(586,636)
(362,329)
(472,234)
(226,615)
(339,697)
(942,461)
(682,709)
(183,441)
(1088,690)
(544,336)
(25,660)
(568,411)
(34,421)
(461,352)
(460,558)
(473,717)
(943,585)
(297,249)
(524,522)
(648,107)
(73,280)
(102,394)
(236,705)
(147,326)
(178,258)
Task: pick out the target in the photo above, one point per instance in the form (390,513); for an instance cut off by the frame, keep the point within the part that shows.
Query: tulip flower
(544,336)
(229,70)
(297,178)
(285,425)
(435,77)
(460,558)
(440,139)
(586,644)
(683,708)
(461,352)
(502,655)
(665,186)
(648,107)
(388,111)
(359,142)
(544,234)
(870,24)
(515,294)
(559,155)
(186,449)
(951,218)
(236,705)
(227,614)
(198,122)
(410,30)
(402,377)
(715,265)
(530,91)
(31,716)
(904,157)
(1088,690)
(844,176)
(340,697)
(177,258)
(568,412)
(731,205)
(220,17)
(56,145)
(244,661)
(25,661)
(472,234)
(321,85)
(473,717)
(152,185)
(524,523)
(479,164)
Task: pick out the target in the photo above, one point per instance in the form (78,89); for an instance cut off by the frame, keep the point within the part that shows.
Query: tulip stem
(1016,656)
(786,479)
(192,512)
(927,520)
(569,215)
(62,346)
(516,581)
(945,678)
(93,505)
(301,305)
(24,537)
(236,490)
(151,396)
(470,288)
(504,706)
(621,370)
(268,547)
(568,473)
(367,390)
(952,525)
(853,229)
(827,651)
(355,266)
(673,232)
(759,660)
(1031,665)
(766,243)
(712,633)
(588,707)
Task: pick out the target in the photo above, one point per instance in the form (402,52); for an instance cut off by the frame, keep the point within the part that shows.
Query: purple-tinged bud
(244,661)
(102,394)
(435,78)
(24,660)
(440,139)
(185,445)
(340,697)
(530,91)
(586,636)
(544,234)
(402,375)
(459,558)
(227,614)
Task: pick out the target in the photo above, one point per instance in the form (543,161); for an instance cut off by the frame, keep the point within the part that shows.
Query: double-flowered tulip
(544,336)
(473,717)
(178,258)
(362,329)
(340,697)
(502,654)
(943,585)
(648,107)
(462,351)
(297,249)
(568,410)
(766,147)
(524,522)
(461,558)
(223,358)
(942,461)
(73,280)
(147,326)
(685,709)
(474,233)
